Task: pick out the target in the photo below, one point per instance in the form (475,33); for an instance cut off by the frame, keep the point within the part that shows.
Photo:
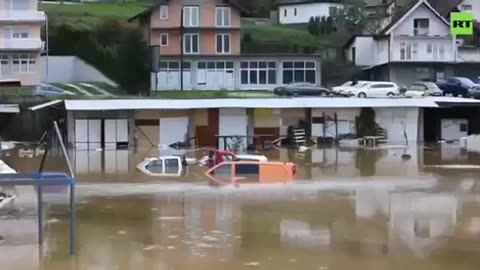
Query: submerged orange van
(251,172)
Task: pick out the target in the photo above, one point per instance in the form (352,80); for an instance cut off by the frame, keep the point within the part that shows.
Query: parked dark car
(302,89)
(458,86)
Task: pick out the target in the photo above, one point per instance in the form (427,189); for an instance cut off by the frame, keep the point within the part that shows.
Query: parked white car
(422,89)
(375,89)
(344,88)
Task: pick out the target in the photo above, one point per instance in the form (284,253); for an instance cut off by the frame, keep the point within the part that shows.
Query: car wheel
(323,94)
(455,95)
(362,95)
(390,94)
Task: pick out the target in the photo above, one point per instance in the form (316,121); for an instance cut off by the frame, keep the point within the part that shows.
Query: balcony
(22,16)
(28,44)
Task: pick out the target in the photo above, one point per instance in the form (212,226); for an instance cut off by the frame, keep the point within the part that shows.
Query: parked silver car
(302,89)
(421,89)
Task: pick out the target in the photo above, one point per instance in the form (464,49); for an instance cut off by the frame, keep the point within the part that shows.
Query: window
(163,39)
(206,73)
(295,12)
(285,12)
(223,16)
(403,51)
(466,7)
(463,127)
(441,52)
(258,72)
(332,11)
(163,12)
(5,68)
(190,16)
(414,51)
(16,33)
(299,71)
(384,85)
(223,43)
(429,48)
(190,43)
(422,73)
(23,63)
(420,27)
(17,4)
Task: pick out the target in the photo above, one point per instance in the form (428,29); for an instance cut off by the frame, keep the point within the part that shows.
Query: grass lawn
(115,9)
(285,34)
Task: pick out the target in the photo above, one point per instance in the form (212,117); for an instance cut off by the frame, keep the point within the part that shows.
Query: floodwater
(414,208)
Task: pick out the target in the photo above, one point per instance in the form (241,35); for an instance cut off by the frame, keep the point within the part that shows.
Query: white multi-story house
(415,46)
(300,11)
(20,41)
(470,6)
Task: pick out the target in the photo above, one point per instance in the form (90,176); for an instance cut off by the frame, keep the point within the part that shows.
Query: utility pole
(181,49)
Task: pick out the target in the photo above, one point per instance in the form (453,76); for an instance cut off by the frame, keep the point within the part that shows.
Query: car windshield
(466,81)
(416,87)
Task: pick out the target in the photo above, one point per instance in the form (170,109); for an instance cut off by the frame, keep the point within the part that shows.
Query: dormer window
(421,27)
(466,7)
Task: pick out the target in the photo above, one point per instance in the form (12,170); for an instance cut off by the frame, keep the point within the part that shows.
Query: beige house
(20,41)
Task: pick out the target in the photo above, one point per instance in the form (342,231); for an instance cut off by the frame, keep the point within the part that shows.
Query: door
(211,80)
(233,122)
(454,129)
(110,134)
(229,80)
(81,134)
(173,130)
(94,134)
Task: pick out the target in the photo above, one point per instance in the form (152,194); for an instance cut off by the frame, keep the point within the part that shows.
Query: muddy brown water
(393,208)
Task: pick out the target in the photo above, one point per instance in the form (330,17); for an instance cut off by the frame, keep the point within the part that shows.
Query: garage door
(233,122)
(116,133)
(88,134)
(173,130)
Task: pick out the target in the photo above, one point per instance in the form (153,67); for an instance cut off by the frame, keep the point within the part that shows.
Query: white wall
(365,49)
(437,27)
(475,7)
(397,121)
(304,12)
(67,69)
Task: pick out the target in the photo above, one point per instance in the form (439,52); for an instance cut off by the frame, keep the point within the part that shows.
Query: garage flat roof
(274,103)
(9,108)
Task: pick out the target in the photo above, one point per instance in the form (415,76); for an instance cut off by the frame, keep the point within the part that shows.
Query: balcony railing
(22,16)
(21,44)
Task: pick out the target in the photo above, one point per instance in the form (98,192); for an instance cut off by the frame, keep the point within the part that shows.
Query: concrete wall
(67,69)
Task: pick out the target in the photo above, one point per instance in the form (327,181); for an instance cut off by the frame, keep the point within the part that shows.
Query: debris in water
(222,260)
(53,220)
(169,218)
(151,247)
(322,267)
(122,232)
(187,242)
(108,206)
(209,238)
(173,236)
(252,264)
(154,209)
(171,247)
(217,232)
(292,260)
(238,236)
(83,202)
(270,258)
(203,245)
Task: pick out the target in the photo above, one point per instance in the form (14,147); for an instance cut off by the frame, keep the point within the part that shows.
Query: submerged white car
(375,89)
(162,166)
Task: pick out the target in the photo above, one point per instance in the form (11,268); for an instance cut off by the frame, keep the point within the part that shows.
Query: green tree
(134,64)
(323,25)
(312,26)
(366,124)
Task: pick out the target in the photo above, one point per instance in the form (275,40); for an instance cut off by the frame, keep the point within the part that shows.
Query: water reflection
(331,222)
